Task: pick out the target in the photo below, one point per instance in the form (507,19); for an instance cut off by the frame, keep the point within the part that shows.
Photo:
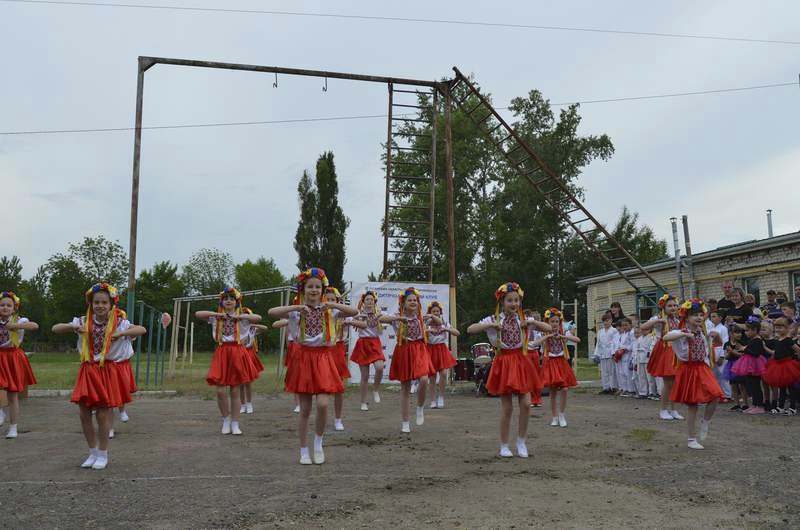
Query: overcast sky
(723,159)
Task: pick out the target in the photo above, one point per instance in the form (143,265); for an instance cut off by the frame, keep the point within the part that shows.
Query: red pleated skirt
(290,348)
(340,358)
(512,373)
(441,358)
(695,384)
(231,366)
(15,370)
(410,361)
(557,373)
(782,373)
(536,393)
(662,361)
(100,386)
(255,360)
(126,377)
(368,350)
(313,371)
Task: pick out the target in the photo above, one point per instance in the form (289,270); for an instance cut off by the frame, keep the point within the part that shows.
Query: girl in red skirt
(695,383)
(410,359)
(368,350)
(105,338)
(251,346)
(512,372)
(534,350)
(783,368)
(312,369)
(332,295)
(556,370)
(662,361)
(15,370)
(442,359)
(231,365)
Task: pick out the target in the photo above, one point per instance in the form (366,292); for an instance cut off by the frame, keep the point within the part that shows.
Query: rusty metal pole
(137,154)
(385,272)
(451,224)
(434,126)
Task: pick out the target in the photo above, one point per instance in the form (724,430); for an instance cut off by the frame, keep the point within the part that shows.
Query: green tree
(101,260)
(260,274)
(33,293)
(208,271)
(159,285)
(10,273)
(320,237)
(66,288)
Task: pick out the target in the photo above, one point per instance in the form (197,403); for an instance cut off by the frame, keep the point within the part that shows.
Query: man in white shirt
(719,336)
(603,353)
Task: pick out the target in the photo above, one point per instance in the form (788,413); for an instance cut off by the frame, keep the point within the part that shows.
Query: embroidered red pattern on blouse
(98,335)
(697,346)
(314,321)
(5,335)
(510,334)
(414,331)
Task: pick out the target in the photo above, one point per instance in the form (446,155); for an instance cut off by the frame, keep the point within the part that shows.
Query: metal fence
(151,349)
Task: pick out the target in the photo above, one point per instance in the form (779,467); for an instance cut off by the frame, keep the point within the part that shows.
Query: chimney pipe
(690,266)
(769,222)
(678,271)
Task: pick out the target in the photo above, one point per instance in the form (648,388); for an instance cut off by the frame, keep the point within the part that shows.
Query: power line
(408,19)
(372,116)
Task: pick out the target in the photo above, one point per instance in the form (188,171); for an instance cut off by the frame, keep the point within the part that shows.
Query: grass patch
(642,435)
(587,370)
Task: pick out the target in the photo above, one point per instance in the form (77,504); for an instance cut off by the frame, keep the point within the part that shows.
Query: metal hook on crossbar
(325,88)
(275,84)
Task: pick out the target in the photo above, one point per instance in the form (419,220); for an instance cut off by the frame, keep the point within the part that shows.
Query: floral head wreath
(402,331)
(552,312)
(231,292)
(433,304)
(14,298)
(102,287)
(313,272)
(662,302)
(692,306)
(329,324)
(335,291)
(115,316)
(499,294)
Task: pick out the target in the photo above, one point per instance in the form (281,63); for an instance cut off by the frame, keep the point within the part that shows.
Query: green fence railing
(151,350)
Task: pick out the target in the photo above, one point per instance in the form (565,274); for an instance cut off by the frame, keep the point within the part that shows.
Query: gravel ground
(615,466)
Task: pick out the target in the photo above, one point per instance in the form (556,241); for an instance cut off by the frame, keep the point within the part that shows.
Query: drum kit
(477,367)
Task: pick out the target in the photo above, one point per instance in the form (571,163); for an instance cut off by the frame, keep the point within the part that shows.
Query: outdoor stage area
(615,466)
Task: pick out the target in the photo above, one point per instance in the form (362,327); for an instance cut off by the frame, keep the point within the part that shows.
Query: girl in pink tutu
(441,357)
(15,370)
(369,349)
(751,364)
(695,383)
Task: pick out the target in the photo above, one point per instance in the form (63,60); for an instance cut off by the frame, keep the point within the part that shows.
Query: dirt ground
(615,466)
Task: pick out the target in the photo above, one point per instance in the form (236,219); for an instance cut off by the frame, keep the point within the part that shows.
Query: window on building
(647,304)
(795,280)
(750,286)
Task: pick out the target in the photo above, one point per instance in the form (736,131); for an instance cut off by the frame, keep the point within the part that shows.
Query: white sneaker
(665,415)
(111,434)
(364,407)
(505,452)
(89,462)
(694,445)
(319,456)
(12,431)
(522,449)
(235,428)
(101,462)
(338,425)
(243,409)
(296,409)
(123,417)
(704,425)
(414,386)
(248,409)
(405,427)
(420,415)
(433,404)
(675,415)
(562,421)
(376,397)
(305,459)
(554,422)
(440,402)
(226,425)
